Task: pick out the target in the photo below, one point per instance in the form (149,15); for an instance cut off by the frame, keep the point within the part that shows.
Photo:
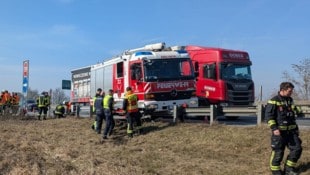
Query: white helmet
(64,102)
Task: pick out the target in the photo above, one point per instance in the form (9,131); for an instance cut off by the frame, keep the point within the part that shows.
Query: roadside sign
(66,84)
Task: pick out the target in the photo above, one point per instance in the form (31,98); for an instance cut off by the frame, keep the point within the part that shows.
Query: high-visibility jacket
(60,109)
(15,99)
(131,102)
(43,101)
(6,99)
(108,102)
(280,113)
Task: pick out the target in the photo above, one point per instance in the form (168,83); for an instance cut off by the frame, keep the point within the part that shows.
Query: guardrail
(211,112)
(256,111)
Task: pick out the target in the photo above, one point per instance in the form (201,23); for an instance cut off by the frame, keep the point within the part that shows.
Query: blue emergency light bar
(181,51)
(143,53)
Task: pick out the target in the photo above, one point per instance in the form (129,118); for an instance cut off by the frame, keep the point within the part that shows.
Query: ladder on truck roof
(150,47)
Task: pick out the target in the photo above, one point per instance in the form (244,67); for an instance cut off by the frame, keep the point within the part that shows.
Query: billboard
(25,77)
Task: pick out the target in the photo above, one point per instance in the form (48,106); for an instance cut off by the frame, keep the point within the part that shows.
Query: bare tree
(302,86)
(32,93)
(58,96)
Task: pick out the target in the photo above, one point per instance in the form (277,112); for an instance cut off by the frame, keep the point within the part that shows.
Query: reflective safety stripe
(278,103)
(273,167)
(95,124)
(106,101)
(272,102)
(291,163)
(132,103)
(271,122)
(129,131)
(290,127)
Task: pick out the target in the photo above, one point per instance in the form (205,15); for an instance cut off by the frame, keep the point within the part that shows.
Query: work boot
(39,117)
(130,135)
(110,133)
(140,131)
(277,172)
(290,171)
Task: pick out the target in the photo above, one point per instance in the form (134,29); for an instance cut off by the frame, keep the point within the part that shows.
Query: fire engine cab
(224,76)
(161,76)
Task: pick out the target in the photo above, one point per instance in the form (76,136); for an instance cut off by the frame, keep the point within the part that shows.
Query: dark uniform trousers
(278,143)
(99,118)
(133,117)
(110,123)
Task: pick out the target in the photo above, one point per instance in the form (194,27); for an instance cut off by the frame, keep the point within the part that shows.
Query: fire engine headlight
(170,107)
(152,106)
(224,104)
(149,96)
(193,102)
(194,94)
(141,104)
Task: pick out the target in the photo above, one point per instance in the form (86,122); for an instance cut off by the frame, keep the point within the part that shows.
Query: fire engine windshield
(233,71)
(168,69)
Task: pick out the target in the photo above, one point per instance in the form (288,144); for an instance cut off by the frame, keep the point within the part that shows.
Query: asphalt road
(250,121)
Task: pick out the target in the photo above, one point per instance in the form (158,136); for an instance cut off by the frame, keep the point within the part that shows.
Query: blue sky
(57,36)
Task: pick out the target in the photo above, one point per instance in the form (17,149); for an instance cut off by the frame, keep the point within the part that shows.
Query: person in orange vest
(7,98)
(2,102)
(15,99)
(68,106)
(2,98)
(15,102)
(130,106)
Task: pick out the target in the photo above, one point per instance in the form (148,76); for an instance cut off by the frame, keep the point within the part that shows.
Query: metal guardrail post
(259,114)
(77,114)
(212,114)
(175,113)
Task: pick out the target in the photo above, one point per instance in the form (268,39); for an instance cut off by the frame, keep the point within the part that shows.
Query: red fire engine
(224,76)
(161,77)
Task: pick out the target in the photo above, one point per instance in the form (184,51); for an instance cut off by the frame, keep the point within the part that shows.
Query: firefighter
(98,110)
(130,106)
(15,99)
(5,101)
(6,98)
(43,102)
(281,119)
(60,110)
(108,102)
(68,107)
(2,101)
(15,102)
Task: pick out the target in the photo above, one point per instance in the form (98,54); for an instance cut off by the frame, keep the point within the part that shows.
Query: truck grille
(241,97)
(173,95)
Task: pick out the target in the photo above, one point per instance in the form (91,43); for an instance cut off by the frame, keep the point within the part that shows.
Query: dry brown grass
(69,146)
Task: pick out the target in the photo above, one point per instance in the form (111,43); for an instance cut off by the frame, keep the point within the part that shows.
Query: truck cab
(223,76)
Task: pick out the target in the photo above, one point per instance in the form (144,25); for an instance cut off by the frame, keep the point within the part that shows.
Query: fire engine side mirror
(196,66)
